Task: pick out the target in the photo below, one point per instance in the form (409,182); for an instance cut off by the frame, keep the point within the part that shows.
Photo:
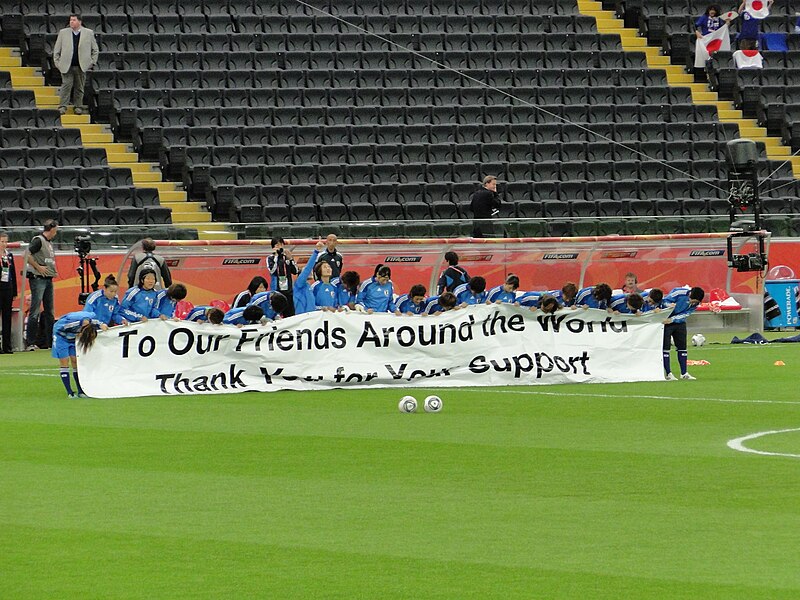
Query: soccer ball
(408,404)
(698,339)
(433,404)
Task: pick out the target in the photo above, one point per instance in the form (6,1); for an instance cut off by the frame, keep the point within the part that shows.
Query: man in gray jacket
(75,53)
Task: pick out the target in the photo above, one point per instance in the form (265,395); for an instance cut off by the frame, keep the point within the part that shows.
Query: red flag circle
(757,5)
(713,46)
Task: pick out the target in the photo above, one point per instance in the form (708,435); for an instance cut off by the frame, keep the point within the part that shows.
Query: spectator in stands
(631,285)
(684,302)
(331,255)
(74,53)
(40,271)
(709,21)
(282,270)
(750,26)
(8,291)
(257,285)
(747,56)
(797,23)
(148,259)
(485,204)
(453,275)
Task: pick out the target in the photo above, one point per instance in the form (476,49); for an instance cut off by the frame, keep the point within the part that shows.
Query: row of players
(253,306)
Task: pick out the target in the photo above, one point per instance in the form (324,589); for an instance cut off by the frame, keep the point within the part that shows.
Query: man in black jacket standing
(485,204)
(8,291)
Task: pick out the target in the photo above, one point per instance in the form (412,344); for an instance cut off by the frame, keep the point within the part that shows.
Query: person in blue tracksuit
(257,285)
(138,304)
(597,296)
(244,315)
(347,289)
(439,304)
(504,293)
(104,303)
(272,303)
(473,292)
(323,289)
(412,303)
(377,294)
(653,300)
(205,314)
(75,327)
(684,302)
(302,296)
(626,304)
(167,300)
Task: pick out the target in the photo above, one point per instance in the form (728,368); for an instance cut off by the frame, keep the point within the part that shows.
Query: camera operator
(148,259)
(40,271)
(282,269)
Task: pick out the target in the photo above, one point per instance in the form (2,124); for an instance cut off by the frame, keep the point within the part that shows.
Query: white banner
(478,346)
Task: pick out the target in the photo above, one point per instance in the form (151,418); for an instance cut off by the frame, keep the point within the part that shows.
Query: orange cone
(780,363)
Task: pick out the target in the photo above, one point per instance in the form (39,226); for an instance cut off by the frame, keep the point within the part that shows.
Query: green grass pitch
(570,491)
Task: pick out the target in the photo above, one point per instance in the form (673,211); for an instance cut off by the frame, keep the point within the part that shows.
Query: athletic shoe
(82,395)
(670,377)
(62,110)
(78,110)
(687,376)
(32,347)
(72,395)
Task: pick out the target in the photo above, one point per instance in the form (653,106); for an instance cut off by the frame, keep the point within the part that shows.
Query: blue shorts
(63,348)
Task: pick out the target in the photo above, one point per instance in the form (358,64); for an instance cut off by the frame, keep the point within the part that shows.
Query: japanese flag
(710,43)
(758,9)
(748,59)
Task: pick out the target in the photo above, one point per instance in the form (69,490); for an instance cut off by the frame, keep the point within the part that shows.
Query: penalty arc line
(738,443)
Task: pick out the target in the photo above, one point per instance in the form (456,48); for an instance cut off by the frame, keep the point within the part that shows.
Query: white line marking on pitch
(738,443)
(627,396)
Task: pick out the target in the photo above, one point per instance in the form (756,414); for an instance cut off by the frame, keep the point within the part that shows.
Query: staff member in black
(332,256)
(40,271)
(282,269)
(8,291)
(485,204)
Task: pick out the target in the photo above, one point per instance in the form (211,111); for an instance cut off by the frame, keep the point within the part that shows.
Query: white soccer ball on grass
(698,339)
(408,404)
(432,404)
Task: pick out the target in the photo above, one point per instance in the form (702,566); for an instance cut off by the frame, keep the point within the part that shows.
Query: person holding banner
(597,296)
(205,314)
(376,294)
(168,298)
(304,298)
(246,315)
(412,303)
(272,303)
(712,35)
(78,326)
(626,304)
(104,303)
(436,305)
(504,293)
(653,300)
(139,302)
(471,293)
(347,289)
(257,285)
(684,302)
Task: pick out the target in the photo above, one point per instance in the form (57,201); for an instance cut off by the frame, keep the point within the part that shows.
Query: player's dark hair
(451,258)
(350,280)
(656,295)
(569,291)
(177,291)
(711,7)
(278,302)
(697,293)
(87,336)
(635,301)
(107,282)
(477,284)
(253,313)
(145,273)
(257,282)
(215,315)
(417,290)
(602,291)
(383,271)
(448,300)
(148,245)
(277,240)
(318,269)
(513,281)
(548,304)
